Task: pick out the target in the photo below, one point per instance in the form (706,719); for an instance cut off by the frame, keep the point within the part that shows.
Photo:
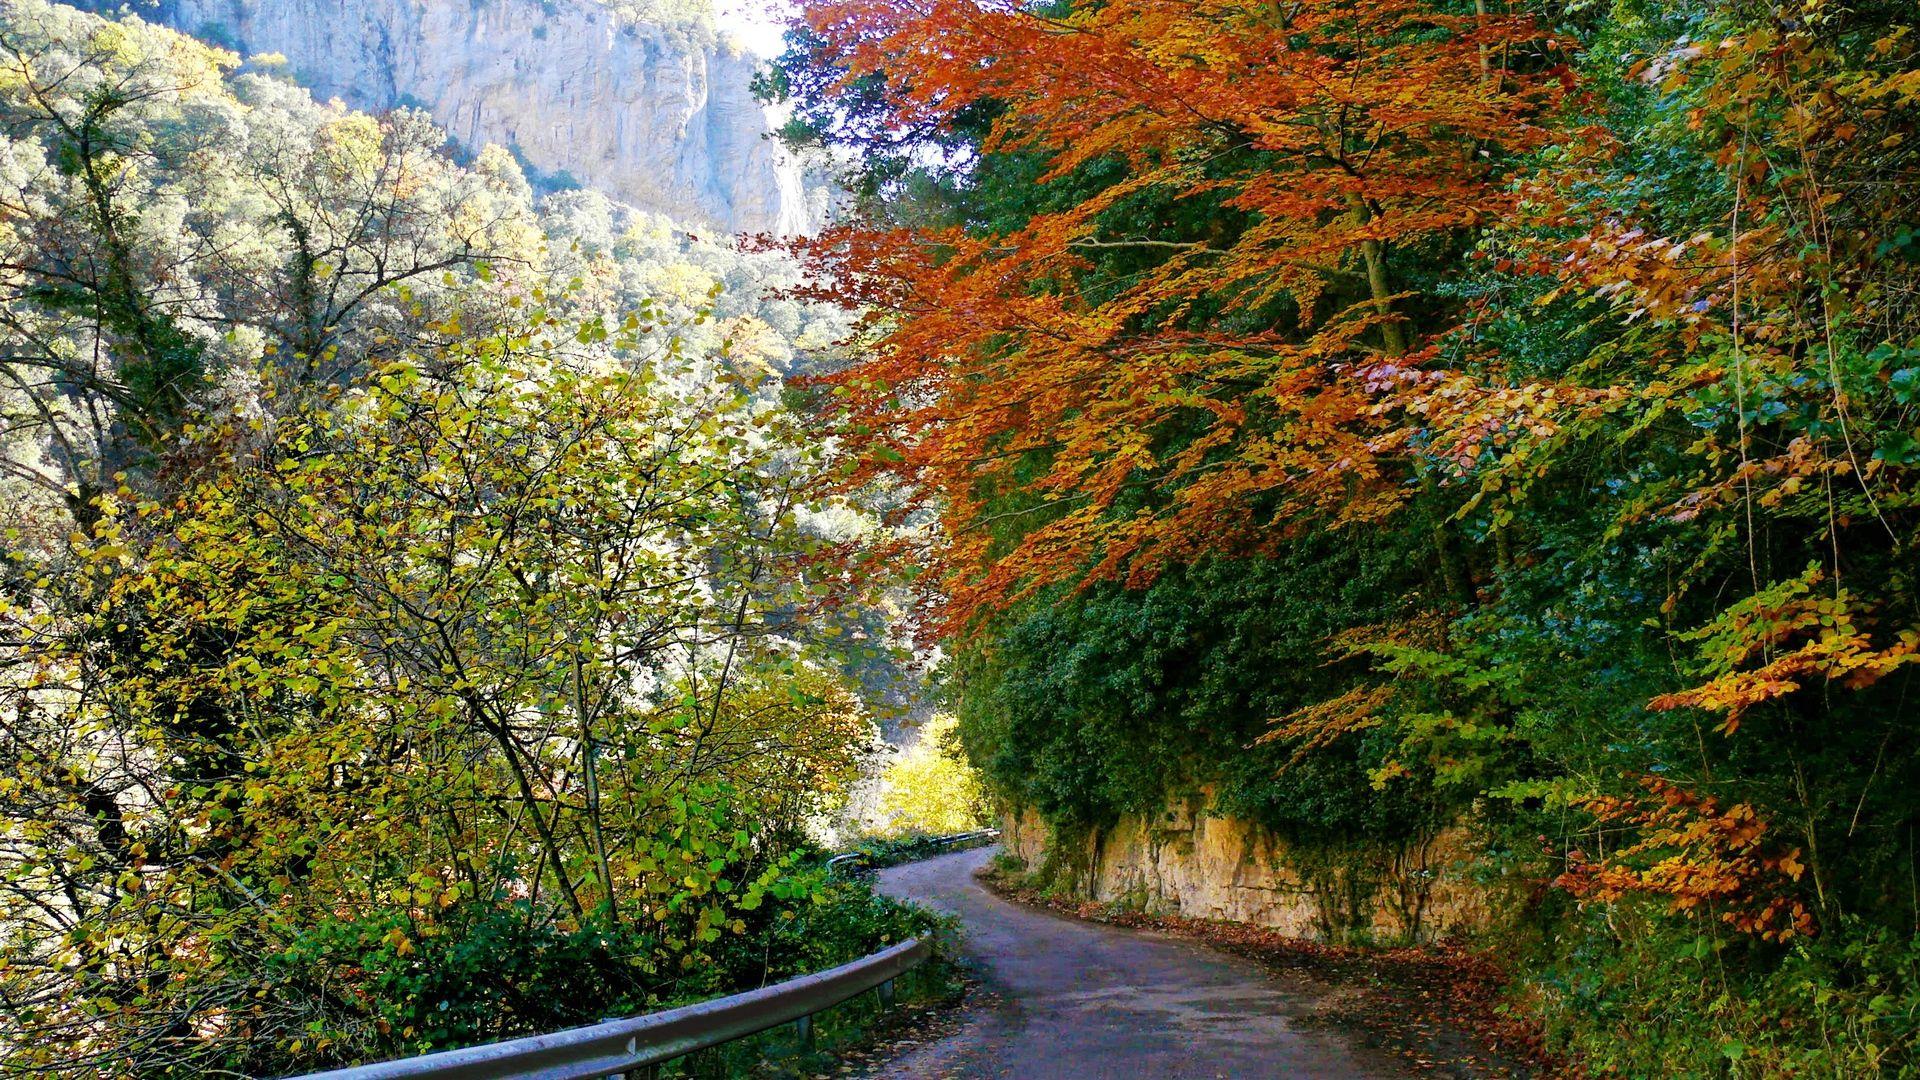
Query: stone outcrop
(659,116)
(1187,862)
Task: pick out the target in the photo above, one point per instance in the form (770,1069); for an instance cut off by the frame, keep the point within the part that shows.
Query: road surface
(1070,1000)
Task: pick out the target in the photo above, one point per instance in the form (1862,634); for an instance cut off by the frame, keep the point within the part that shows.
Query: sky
(756,22)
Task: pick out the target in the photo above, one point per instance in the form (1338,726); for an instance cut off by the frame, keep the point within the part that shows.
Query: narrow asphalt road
(1078,1001)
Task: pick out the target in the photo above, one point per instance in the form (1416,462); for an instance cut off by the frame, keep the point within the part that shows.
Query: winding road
(1077,1001)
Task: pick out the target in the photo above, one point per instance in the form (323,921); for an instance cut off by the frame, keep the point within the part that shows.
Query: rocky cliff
(659,115)
(1188,862)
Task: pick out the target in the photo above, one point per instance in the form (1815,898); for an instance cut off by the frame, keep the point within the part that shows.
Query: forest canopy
(432,612)
(1401,415)
(422,620)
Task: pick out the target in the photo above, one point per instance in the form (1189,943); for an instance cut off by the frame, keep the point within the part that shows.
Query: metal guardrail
(636,1045)
(839,862)
(857,859)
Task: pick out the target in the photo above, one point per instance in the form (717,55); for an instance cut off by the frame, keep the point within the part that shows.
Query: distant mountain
(645,103)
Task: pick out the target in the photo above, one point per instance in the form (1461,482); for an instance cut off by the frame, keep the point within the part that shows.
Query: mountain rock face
(661,117)
(1186,861)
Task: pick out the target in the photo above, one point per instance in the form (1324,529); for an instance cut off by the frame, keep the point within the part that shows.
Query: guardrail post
(804,1027)
(886,994)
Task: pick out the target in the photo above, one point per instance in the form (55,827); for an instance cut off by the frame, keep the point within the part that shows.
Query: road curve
(1078,1001)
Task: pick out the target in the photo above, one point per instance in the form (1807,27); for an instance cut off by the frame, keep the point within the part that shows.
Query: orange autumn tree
(1211,281)
(1186,342)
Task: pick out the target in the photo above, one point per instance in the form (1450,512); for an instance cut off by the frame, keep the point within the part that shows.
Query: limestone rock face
(1187,862)
(661,117)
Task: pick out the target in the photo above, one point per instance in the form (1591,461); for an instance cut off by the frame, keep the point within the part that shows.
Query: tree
(1623,377)
(1183,347)
(400,582)
(930,789)
(512,623)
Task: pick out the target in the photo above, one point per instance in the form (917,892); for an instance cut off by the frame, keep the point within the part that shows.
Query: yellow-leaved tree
(501,658)
(930,788)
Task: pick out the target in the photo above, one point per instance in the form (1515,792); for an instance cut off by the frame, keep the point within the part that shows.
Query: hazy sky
(757,22)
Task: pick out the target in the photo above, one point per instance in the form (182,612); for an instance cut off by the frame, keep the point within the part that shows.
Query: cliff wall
(659,116)
(1187,862)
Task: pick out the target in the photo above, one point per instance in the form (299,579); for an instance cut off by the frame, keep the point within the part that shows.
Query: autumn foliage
(1697,856)
(1266,168)
(421,621)
(1600,324)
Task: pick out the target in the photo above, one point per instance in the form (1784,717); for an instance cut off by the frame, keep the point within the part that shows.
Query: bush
(1638,994)
(878,851)
(497,972)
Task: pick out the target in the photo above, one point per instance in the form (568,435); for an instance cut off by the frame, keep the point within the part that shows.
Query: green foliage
(1642,604)
(420,624)
(1122,700)
(882,851)
(493,972)
(499,970)
(1642,996)
(847,920)
(488,665)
